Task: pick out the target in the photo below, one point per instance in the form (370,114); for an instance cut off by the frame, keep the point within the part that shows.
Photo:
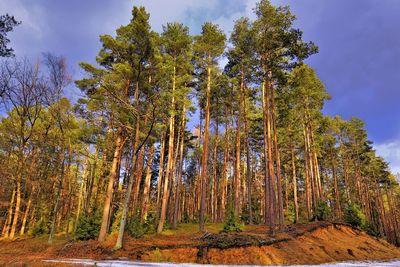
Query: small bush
(353,215)
(371,229)
(135,228)
(88,227)
(322,211)
(245,216)
(151,223)
(232,224)
(116,222)
(39,228)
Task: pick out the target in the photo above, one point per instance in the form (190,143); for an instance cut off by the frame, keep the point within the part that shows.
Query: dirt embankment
(301,244)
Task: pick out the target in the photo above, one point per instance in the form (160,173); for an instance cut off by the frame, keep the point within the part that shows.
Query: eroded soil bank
(312,243)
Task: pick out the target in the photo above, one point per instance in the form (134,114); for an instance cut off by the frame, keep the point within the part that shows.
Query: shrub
(135,228)
(39,228)
(371,229)
(245,216)
(354,216)
(232,224)
(322,211)
(88,227)
(116,222)
(151,223)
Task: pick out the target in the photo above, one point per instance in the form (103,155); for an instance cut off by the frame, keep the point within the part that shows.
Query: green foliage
(371,229)
(151,223)
(232,224)
(7,24)
(353,215)
(290,213)
(322,211)
(133,226)
(116,221)
(245,215)
(39,228)
(88,227)
(136,229)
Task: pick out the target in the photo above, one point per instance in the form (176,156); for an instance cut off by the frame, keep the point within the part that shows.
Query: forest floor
(312,243)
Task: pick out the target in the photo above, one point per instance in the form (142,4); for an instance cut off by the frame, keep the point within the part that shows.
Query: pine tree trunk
(28,206)
(17,207)
(146,189)
(161,167)
(336,190)
(267,199)
(236,187)
(112,177)
(248,157)
(278,162)
(179,178)
(203,183)
(224,189)
(294,180)
(271,171)
(170,163)
(306,174)
(58,196)
(7,224)
(214,196)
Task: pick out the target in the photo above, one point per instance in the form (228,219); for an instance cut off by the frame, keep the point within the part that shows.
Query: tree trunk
(203,176)
(113,175)
(336,190)
(278,161)
(267,206)
(170,163)
(146,190)
(17,207)
(7,224)
(161,167)
(271,171)
(179,180)
(224,189)
(28,206)
(58,196)
(296,204)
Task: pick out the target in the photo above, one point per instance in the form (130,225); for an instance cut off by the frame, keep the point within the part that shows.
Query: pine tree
(208,47)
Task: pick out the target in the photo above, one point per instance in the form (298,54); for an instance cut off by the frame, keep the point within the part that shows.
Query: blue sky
(359,45)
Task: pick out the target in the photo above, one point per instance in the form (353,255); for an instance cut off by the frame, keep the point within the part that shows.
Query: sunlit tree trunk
(294,180)
(267,199)
(146,189)
(203,182)
(112,176)
(170,166)
(161,166)
(7,224)
(58,196)
(28,206)
(278,162)
(180,169)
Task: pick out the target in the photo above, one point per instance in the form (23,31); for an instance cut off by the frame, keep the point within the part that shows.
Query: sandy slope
(301,244)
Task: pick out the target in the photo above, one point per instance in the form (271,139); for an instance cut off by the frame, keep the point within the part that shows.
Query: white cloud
(161,11)
(28,38)
(34,18)
(390,151)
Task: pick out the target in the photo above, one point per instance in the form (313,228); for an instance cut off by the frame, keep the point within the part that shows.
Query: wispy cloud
(390,151)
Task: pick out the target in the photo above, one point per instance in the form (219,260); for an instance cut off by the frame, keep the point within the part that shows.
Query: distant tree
(7,24)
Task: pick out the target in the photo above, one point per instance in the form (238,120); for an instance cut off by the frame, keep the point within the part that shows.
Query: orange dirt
(312,243)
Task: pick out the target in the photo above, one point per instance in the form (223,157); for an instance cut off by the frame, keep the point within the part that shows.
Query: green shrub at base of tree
(354,216)
(232,224)
(88,227)
(322,211)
